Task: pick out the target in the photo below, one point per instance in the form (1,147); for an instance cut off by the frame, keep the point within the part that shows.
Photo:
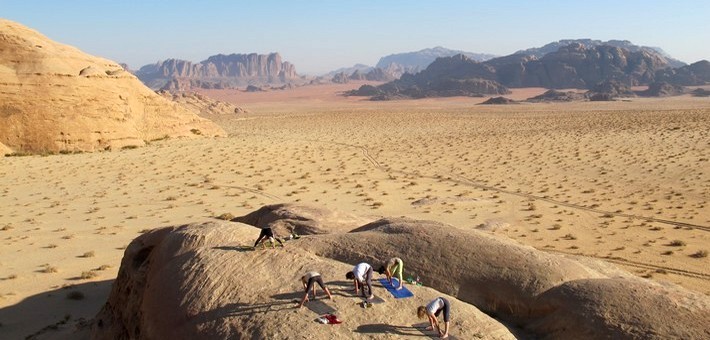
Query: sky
(319,36)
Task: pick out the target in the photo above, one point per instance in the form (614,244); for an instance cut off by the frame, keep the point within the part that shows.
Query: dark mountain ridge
(572,66)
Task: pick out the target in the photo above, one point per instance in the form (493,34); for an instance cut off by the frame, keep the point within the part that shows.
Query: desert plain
(627,182)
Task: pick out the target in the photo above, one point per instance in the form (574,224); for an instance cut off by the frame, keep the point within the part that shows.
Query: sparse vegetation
(677,243)
(88,254)
(699,254)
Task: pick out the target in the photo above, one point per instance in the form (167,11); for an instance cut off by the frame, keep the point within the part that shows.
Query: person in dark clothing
(267,234)
(309,283)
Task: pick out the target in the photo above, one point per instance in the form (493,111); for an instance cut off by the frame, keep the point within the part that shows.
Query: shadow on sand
(54,313)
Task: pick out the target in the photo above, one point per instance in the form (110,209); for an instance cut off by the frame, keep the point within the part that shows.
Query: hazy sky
(319,36)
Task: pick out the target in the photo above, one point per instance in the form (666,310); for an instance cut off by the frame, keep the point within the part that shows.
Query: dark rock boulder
(557,96)
(498,101)
(662,89)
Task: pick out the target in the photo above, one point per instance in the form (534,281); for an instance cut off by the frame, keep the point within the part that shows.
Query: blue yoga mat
(398,294)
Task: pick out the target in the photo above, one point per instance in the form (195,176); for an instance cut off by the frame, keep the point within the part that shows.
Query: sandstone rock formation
(554,46)
(202,104)
(557,96)
(340,78)
(662,89)
(573,64)
(498,101)
(203,281)
(445,77)
(302,219)
(55,98)
(218,71)
(694,74)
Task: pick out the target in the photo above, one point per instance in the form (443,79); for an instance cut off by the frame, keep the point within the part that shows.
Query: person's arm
(446,330)
(389,275)
(305,298)
(433,324)
(356,286)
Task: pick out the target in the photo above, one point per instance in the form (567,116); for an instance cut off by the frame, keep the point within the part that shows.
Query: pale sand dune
(597,179)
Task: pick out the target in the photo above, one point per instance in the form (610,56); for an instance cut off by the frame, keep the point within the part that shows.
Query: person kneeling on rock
(432,310)
(309,282)
(267,234)
(361,275)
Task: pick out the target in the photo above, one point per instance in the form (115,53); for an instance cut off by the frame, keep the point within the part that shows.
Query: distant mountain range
(414,62)
(540,52)
(218,71)
(574,65)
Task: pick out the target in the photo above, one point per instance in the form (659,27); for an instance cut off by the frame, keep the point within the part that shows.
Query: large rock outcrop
(200,281)
(204,281)
(287,218)
(445,77)
(554,46)
(218,71)
(205,106)
(697,73)
(54,98)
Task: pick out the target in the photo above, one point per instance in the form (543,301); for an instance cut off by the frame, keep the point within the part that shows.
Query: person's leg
(319,281)
(311,286)
(447,317)
(262,234)
(398,272)
(368,280)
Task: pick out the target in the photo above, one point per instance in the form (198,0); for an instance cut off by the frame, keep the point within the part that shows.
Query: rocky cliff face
(571,66)
(552,47)
(578,66)
(56,98)
(445,77)
(694,74)
(219,71)
(398,64)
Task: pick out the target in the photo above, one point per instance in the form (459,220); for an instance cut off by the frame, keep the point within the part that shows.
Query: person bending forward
(361,275)
(309,283)
(432,311)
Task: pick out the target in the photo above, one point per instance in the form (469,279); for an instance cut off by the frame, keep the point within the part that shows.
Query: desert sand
(626,182)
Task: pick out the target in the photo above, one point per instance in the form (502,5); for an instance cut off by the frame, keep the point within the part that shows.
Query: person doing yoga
(393,266)
(267,234)
(432,311)
(309,283)
(361,275)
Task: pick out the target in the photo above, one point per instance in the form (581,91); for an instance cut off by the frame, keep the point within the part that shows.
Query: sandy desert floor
(628,182)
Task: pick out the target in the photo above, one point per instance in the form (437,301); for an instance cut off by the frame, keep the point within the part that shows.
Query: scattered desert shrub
(49,269)
(129,147)
(676,243)
(196,131)
(88,254)
(88,275)
(699,254)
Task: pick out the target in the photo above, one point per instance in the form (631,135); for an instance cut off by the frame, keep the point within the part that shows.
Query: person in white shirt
(309,282)
(361,275)
(432,310)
